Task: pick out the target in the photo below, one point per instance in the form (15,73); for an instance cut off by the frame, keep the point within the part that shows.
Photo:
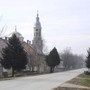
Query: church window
(36,29)
(34,34)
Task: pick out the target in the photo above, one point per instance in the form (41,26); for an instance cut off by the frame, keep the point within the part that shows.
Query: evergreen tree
(52,59)
(13,56)
(88,60)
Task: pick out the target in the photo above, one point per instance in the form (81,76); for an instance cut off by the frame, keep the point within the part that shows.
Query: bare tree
(70,60)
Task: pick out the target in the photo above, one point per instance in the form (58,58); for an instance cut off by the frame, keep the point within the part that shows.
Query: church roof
(28,48)
(17,34)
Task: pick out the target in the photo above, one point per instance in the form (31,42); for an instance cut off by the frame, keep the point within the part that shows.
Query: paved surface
(41,82)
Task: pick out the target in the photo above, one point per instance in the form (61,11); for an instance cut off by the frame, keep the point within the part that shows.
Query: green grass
(84,76)
(83,80)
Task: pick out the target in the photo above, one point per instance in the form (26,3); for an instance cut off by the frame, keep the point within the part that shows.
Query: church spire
(37,40)
(37,18)
(37,13)
(37,24)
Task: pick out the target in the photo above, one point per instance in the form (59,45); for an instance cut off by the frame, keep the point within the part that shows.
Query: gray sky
(65,23)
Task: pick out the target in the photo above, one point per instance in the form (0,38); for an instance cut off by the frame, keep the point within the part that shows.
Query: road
(41,82)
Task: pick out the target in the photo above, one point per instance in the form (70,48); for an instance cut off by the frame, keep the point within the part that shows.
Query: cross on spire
(37,13)
(15,28)
(37,18)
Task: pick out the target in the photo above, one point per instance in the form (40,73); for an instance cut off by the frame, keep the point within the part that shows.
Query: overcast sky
(65,23)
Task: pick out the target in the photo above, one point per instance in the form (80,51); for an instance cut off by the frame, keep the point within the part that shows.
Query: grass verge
(83,80)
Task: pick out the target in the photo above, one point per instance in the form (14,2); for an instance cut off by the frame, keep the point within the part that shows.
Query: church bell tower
(37,40)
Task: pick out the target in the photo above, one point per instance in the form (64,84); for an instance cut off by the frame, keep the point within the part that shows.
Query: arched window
(36,29)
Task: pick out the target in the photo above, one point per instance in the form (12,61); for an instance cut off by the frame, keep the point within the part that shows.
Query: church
(34,50)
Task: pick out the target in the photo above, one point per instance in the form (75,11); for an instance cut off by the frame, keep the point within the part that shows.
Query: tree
(68,59)
(88,60)
(52,59)
(71,61)
(13,56)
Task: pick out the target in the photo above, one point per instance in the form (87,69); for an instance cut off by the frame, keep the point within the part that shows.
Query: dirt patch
(68,86)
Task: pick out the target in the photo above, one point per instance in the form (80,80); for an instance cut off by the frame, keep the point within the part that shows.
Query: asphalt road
(41,82)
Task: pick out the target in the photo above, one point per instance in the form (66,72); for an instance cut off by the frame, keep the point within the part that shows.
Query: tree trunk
(32,68)
(12,72)
(51,69)
(89,70)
